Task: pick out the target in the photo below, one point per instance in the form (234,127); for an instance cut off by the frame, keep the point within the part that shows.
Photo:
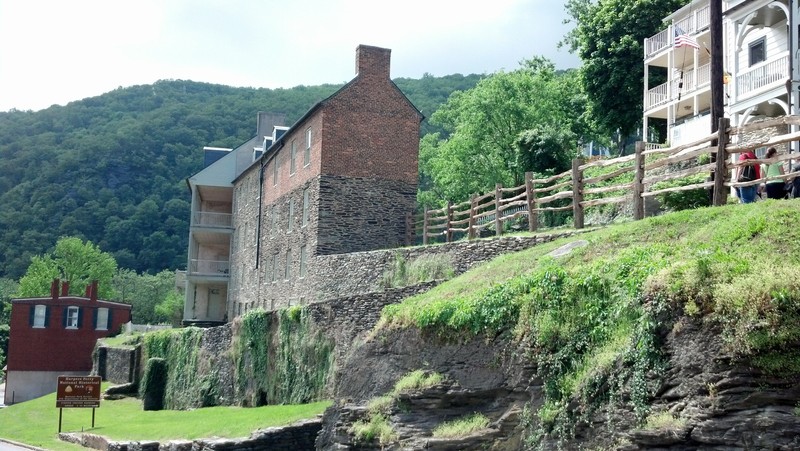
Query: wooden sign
(78,391)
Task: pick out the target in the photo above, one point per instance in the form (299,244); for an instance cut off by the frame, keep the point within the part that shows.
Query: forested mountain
(112,168)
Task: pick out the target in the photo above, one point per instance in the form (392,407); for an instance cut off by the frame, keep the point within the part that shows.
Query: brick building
(341,179)
(55,336)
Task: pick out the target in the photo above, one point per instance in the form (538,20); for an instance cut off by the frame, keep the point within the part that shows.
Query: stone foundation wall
(297,436)
(340,275)
(117,365)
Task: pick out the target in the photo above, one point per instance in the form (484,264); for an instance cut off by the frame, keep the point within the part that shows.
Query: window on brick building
(291,214)
(287,269)
(39,316)
(275,172)
(72,317)
(303,257)
(274,268)
(102,319)
(293,164)
(307,151)
(274,223)
(306,202)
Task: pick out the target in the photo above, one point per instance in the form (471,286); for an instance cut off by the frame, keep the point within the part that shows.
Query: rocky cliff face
(704,398)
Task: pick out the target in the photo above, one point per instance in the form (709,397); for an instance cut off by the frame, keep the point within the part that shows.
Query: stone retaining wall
(297,436)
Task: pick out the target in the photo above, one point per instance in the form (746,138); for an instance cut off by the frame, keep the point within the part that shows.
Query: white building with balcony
(211,227)
(756,60)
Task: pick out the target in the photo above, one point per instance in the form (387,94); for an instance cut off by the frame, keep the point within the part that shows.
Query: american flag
(683,39)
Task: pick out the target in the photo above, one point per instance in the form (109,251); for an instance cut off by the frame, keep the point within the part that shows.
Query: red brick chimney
(54,289)
(91,291)
(373,61)
(65,288)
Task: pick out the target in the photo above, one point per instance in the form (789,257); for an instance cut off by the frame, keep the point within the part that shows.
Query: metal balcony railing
(211,219)
(209,267)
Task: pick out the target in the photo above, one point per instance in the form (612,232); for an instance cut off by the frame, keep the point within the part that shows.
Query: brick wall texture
(342,179)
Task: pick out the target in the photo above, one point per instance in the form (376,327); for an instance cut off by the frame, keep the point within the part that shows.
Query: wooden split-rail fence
(630,178)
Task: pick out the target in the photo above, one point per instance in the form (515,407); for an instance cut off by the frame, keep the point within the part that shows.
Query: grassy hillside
(112,168)
(594,320)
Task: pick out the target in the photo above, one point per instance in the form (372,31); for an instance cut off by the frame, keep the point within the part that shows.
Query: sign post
(77,391)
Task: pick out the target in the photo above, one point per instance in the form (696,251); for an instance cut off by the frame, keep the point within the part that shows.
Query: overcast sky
(58,51)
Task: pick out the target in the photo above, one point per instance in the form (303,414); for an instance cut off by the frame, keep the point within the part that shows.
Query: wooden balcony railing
(761,76)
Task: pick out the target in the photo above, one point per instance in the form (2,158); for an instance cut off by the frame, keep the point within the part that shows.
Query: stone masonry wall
(361,214)
(339,275)
(117,365)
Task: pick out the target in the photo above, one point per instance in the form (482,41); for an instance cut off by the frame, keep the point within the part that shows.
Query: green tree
(72,260)
(608,37)
(145,292)
(7,289)
(170,310)
(530,119)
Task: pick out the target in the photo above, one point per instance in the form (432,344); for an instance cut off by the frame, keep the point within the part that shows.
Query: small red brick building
(55,336)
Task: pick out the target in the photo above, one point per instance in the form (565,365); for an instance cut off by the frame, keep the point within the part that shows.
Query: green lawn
(36,422)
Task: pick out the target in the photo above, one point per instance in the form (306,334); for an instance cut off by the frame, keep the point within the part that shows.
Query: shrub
(154,384)
(425,268)
(682,200)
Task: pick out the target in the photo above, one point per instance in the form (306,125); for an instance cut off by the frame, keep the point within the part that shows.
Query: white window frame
(39,316)
(275,172)
(306,206)
(307,151)
(293,164)
(73,314)
(303,256)
(102,318)
(291,215)
(288,268)
(760,42)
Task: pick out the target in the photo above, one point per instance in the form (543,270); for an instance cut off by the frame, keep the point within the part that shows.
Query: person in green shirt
(776,189)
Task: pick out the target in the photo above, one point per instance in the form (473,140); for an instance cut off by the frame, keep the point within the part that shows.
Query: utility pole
(717,94)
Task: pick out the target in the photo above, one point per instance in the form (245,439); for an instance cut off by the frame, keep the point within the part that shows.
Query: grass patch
(35,422)
(664,421)
(594,319)
(461,427)
(425,268)
(417,380)
(122,340)
(376,428)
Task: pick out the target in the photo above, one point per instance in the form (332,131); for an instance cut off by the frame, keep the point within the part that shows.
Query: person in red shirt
(747,194)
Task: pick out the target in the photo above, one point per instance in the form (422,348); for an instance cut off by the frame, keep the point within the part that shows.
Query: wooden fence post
(425,227)
(720,172)
(471,227)
(638,187)
(577,193)
(498,196)
(410,232)
(448,231)
(530,194)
